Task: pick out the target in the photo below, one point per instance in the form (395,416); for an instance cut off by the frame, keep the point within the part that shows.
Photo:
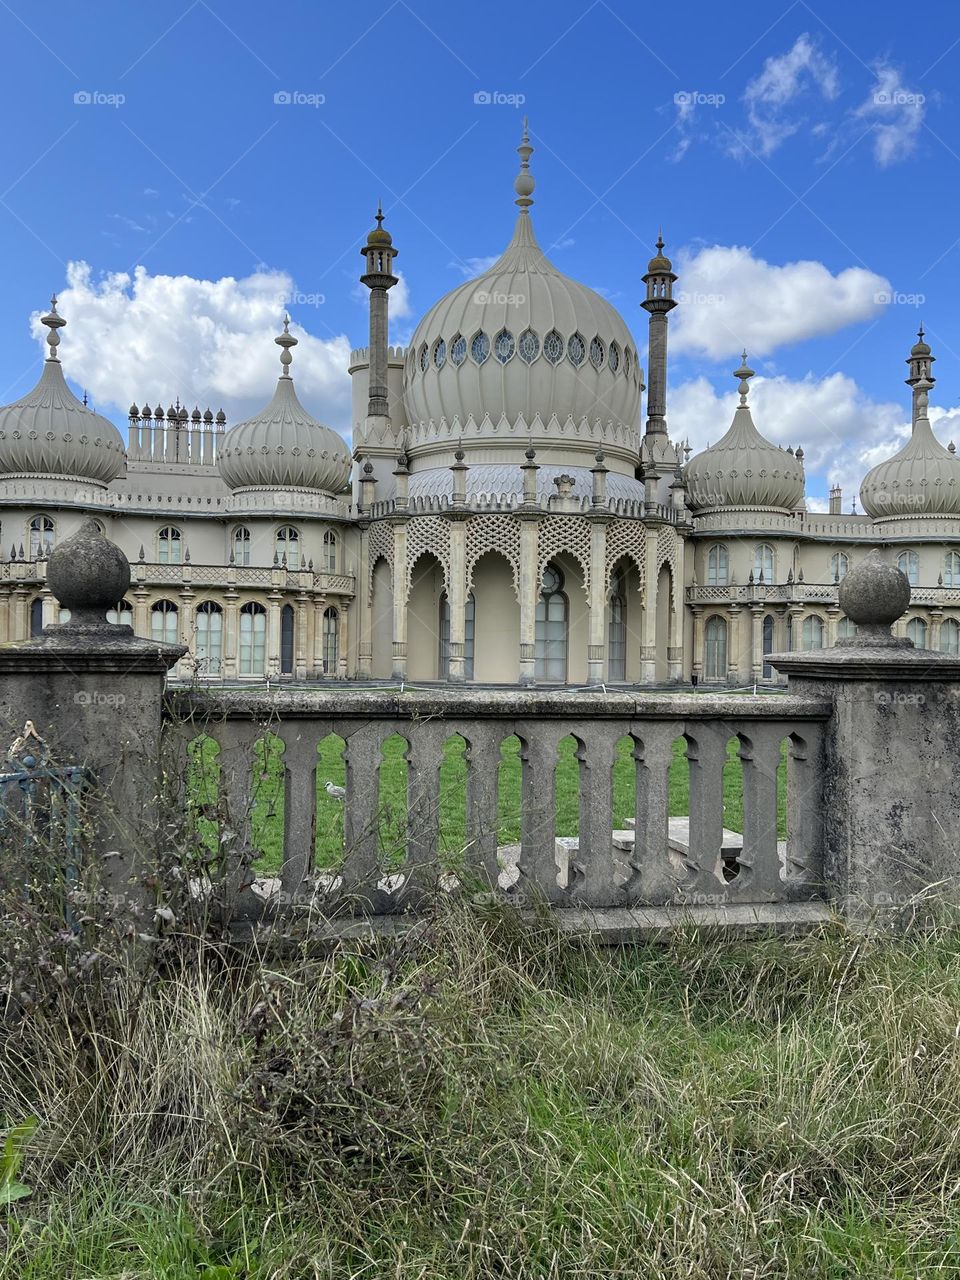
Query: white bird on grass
(335,792)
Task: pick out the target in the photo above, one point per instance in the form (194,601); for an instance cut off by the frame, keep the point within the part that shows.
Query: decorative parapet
(804,593)
(512,502)
(145,573)
(615,437)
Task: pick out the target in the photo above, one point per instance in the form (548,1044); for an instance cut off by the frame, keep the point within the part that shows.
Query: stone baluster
(706,752)
(300,801)
(595,881)
(654,877)
(538,849)
(362,868)
(484,743)
(425,761)
(759,875)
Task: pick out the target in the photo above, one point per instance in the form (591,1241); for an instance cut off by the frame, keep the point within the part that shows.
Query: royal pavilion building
(506,514)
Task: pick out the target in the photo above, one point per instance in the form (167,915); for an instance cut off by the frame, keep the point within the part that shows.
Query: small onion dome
(221,417)
(133,411)
(920,347)
(49,432)
(659,264)
(282,447)
(195,416)
(207,415)
(743,469)
(923,479)
(379,236)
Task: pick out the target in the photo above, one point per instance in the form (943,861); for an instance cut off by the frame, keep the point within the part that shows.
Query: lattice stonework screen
(494,533)
(565,533)
(626,538)
(667,554)
(428,535)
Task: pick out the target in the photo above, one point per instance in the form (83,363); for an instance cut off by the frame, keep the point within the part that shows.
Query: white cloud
(843,431)
(896,114)
(732,299)
(803,71)
(210,342)
(470,267)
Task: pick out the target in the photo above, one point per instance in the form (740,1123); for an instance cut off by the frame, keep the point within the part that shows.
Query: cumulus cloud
(772,98)
(844,431)
(896,115)
(210,342)
(470,267)
(732,299)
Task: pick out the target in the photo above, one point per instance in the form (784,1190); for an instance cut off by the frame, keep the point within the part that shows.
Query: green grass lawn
(267,816)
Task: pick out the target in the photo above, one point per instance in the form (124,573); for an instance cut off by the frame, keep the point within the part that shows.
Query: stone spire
(286,340)
(378,254)
(658,303)
(919,362)
(54,321)
(524,182)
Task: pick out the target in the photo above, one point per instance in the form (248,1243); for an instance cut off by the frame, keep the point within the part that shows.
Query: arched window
(122,615)
(550,650)
(908,562)
(839,564)
(553,347)
(36,617)
(331,641)
(504,346)
(717,561)
(480,347)
(951,569)
(41,536)
(529,346)
(241,546)
(846,627)
(617,630)
(330,552)
(917,632)
(597,353)
(812,632)
(458,349)
(715,649)
(763,563)
(469,629)
(576,349)
(613,359)
(253,639)
(950,636)
(169,546)
(164,622)
(439,353)
(287,546)
(287,631)
(767,643)
(209,643)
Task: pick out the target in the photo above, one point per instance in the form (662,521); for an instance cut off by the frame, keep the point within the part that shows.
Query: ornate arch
(427,535)
(570,534)
(667,555)
(493,533)
(626,539)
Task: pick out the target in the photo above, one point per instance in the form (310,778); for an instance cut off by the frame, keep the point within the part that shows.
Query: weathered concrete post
(93,691)
(892,756)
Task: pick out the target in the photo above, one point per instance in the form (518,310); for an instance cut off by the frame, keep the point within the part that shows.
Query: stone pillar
(364,606)
(342,637)
(890,768)
(319,605)
(457,600)
(51,609)
(648,644)
(696,666)
(141,610)
(400,600)
(89,693)
(596,651)
(733,643)
(21,613)
(756,642)
(231,633)
(529,596)
(936,619)
(300,638)
(830,630)
(274,602)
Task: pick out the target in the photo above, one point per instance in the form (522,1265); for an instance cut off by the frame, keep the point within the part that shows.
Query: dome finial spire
(54,321)
(744,373)
(379,215)
(523,183)
(286,340)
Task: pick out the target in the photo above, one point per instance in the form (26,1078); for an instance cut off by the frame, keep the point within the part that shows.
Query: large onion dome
(743,469)
(923,479)
(522,339)
(282,447)
(50,433)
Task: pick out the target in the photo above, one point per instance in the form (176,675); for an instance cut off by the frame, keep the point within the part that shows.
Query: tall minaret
(658,303)
(919,362)
(378,254)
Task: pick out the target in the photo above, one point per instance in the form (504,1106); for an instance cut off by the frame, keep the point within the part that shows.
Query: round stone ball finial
(874,595)
(88,575)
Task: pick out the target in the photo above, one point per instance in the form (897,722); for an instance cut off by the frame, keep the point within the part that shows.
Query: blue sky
(803,160)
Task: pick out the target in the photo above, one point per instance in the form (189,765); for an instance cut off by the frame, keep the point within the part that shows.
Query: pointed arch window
(331,641)
(170,545)
(330,552)
(917,632)
(766,640)
(287,639)
(253,639)
(577,350)
(480,347)
(551,628)
(908,562)
(839,564)
(504,346)
(122,615)
(763,563)
(846,627)
(208,646)
(717,566)
(626,361)
(42,534)
(458,350)
(951,569)
(613,358)
(812,632)
(469,630)
(36,617)
(617,629)
(164,622)
(597,353)
(424,359)
(950,636)
(715,649)
(241,546)
(529,346)
(287,546)
(439,353)
(553,347)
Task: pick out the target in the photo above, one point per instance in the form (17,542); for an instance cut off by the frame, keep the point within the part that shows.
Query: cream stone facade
(503,517)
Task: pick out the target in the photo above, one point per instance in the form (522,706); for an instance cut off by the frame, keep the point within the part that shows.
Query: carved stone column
(529,596)
(457,600)
(363,605)
(696,665)
(300,638)
(596,643)
(274,601)
(648,644)
(319,605)
(231,633)
(400,600)
(756,642)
